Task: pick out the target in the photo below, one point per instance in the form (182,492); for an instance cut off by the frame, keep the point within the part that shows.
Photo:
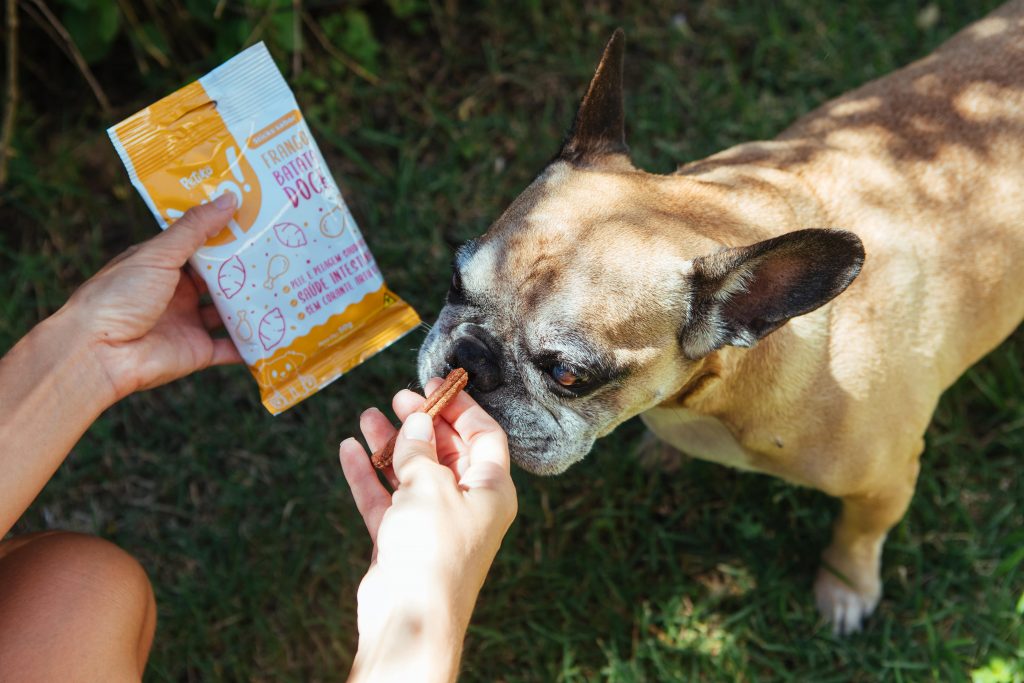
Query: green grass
(611,572)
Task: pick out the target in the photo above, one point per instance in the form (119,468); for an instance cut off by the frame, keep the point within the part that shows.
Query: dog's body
(642,286)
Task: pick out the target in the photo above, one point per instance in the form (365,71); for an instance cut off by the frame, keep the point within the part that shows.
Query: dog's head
(597,292)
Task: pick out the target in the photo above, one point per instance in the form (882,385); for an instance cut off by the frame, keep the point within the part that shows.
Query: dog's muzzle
(478,352)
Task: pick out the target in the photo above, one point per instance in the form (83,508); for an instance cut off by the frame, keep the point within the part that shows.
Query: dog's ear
(599,127)
(739,295)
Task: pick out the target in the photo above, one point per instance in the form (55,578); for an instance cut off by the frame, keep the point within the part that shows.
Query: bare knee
(73,607)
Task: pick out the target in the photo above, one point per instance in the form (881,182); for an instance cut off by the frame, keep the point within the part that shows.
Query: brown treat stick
(455,382)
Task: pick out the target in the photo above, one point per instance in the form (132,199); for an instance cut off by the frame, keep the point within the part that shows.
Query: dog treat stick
(455,382)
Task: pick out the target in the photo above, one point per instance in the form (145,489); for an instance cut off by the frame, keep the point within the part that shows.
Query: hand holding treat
(437,401)
(434,538)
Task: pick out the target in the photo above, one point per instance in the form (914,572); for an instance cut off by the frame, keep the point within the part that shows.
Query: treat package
(294,282)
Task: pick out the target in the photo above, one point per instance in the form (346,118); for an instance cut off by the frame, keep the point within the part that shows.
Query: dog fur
(711,301)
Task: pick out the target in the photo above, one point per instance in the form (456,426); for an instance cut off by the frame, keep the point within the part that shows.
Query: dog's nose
(473,355)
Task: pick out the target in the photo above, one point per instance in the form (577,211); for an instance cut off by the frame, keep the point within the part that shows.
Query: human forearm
(413,644)
(51,389)
(136,324)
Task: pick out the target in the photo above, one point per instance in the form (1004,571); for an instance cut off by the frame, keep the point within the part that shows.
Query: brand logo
(227,171)
(196,177)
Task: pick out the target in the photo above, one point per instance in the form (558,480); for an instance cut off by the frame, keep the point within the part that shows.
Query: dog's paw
(841,604)
(654,455)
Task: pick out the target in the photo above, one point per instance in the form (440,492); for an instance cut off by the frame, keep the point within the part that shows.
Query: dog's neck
(707,374)
(773,200)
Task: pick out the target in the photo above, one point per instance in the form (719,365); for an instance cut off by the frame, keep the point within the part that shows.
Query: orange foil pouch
(292,277)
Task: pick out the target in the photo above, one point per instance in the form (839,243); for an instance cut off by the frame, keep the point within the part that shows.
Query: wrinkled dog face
(563,337)
(592,297)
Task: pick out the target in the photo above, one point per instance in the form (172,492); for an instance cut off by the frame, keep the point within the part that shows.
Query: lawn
(433,116)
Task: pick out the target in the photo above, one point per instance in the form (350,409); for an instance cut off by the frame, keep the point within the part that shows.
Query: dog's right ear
(740,295)
(600,124)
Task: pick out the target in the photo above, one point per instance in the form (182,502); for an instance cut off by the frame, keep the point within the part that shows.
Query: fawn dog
(794,307)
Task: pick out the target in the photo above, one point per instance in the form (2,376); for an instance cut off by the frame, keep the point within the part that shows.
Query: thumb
(415,450)
(179,241)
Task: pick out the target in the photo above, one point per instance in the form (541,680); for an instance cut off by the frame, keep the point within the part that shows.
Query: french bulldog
(793,307)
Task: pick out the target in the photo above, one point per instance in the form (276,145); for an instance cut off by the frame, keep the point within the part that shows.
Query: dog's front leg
(849,585)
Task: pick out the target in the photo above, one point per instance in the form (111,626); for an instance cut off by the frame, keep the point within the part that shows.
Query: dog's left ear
(600,124)
(740,295)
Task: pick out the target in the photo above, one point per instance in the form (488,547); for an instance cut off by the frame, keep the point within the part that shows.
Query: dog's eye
(569,380)
(566,376)
(455,293)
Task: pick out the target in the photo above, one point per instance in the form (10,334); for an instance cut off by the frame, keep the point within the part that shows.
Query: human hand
(140,315)
(436,536)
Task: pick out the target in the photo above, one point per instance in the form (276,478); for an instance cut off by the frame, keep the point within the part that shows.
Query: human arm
(136,324)
(434,538)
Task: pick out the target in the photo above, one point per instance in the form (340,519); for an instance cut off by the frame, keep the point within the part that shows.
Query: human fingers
(210,317)
(486,439)
(486,474)
(406,402)
(415,452)
(197,280)
(378,430)
(174,246)
(118,259)
(464,414)
(372,499)
(225,353)
(473,430)
(449,446)
(492,493)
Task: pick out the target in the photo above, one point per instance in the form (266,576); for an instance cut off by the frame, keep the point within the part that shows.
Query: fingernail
(418,427)
(225,201)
